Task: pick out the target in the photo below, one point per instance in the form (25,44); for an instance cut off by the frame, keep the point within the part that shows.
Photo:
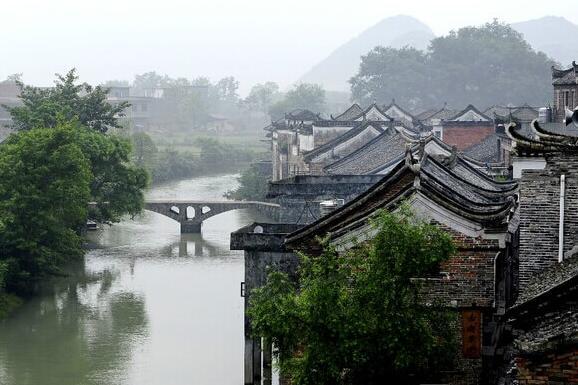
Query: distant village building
(156,108)
(565,84)
(9,96)
(304,143)
(514,279)
(475,210)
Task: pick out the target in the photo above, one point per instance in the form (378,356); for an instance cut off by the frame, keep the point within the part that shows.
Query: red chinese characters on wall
(471,333)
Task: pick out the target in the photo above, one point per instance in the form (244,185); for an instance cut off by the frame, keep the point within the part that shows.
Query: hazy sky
(253,40)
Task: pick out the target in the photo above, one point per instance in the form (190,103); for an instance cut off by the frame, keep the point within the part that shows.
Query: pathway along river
(148,306)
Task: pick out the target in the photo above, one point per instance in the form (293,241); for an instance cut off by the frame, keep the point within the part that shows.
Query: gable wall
(466,134)
(540,214)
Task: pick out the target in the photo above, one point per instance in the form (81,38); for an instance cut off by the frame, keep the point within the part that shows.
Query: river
(147,306)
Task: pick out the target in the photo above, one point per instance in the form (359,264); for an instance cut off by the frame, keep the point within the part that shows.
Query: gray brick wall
(539,214)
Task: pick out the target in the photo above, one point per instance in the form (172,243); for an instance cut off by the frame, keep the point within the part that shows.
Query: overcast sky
(253,40)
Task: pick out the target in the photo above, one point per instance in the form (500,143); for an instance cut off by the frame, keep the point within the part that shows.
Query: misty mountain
(552,35)
(398,31)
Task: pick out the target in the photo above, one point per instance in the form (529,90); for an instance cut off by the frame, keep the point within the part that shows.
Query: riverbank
(234,168)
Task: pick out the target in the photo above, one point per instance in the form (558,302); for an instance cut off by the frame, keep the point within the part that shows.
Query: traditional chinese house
(476,211)
(544,317)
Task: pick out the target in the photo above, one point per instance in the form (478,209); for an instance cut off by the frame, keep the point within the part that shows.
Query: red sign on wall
(472,333)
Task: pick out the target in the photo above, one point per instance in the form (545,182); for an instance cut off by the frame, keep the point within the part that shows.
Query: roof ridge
(394,103)
(387,133)
(346,135)
(470,107)
(347,110)
(450,170)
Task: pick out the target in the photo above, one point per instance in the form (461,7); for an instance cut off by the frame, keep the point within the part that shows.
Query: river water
(147,306)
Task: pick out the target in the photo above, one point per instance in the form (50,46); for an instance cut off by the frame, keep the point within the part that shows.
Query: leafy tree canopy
(301,96)
(262,96)
(357,317)
(253,185)
(66,101)
(484,66)
(44,195)
(116,185)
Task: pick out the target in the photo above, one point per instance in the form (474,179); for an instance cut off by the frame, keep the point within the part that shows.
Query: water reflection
(80,326)
(193,245)
(149,306)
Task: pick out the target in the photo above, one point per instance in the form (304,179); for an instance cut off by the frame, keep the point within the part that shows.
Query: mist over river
(148,306)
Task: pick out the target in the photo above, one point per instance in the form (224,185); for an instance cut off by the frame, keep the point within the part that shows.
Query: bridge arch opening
(175,210)
(190,212)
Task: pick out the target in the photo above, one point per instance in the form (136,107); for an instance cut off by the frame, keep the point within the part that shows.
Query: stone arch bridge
(191,214)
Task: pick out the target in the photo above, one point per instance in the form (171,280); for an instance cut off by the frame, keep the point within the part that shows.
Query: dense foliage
(66,101)
(356,317)
(58,170)
(301,96)
(484,66)
(44,195)
(189,103)
(253,185)
(166,165)
(262,96)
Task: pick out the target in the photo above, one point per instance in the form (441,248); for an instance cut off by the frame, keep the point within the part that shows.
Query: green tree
(44,195)
(144,150)
(117,185)
(357,317)
(14,78)
(227,90)
(301,96)
(483,65)
(262,96)
(151,80)
(252,186)
(66,101)
(388,73)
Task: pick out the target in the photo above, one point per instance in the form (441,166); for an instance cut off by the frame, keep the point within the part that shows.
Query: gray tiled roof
(550,278)
(464,188)
(560,326)
(436,181)
(350,114)
(566,76)
(426,114)
(361,126)
(303,115)
(524,113)
(498,110)
(443,114)
(383,149)
(470,107)
(485,151)
(465,171)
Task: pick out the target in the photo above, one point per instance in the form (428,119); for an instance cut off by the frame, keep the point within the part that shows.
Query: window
(567,98)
